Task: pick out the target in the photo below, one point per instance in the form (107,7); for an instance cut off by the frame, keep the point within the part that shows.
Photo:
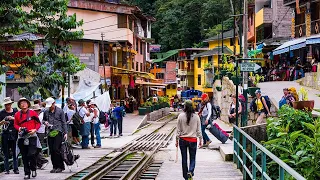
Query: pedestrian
(9,135)
(188,130)
(262,108)
(91,124)
(113,120)
(41,133)
(74,131)
(27,123)
(287,98)
(118,110)
(96,123)
(205,114)
(54,119)
(85,128)
(232,109)
(299,69)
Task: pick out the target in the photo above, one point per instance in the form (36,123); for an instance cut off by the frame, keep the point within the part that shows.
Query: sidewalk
(88,156)
(275,90)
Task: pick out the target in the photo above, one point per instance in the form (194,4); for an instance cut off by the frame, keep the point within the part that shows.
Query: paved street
(274,90)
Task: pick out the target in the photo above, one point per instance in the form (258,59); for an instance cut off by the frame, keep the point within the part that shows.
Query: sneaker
(76,157)
(59,170)
(7,172)
(120,135)
(230,137)
(110,135)
(34,173)
(53,171)
(26,176)
(44,165)
(189,176)
(208,142)
(97,146)
(86,147)
(16,171)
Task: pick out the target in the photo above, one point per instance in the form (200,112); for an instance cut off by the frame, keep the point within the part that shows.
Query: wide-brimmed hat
(7,100)
(49,102)
(36,107)
(24,99)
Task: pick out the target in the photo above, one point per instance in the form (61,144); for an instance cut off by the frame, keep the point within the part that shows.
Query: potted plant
(304,103)
(142,110)
(236,79)
(255,79)
(207,85)
(219,88)
(230,69)
(224,69)
(148,106)
(217,75)
(208,67)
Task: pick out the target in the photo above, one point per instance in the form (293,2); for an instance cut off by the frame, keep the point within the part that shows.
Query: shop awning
(127,71)
(290,45)
(315,39)
(150,83)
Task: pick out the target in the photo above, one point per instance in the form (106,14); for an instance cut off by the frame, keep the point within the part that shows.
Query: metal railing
(242,158)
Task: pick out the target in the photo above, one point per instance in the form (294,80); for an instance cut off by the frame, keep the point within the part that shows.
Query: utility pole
(103,63)
(245,53)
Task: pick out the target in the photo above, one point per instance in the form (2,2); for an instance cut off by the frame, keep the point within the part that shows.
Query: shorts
(74,131)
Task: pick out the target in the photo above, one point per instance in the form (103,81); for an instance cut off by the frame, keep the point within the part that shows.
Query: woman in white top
(96,123)
(188,130)
(232,110)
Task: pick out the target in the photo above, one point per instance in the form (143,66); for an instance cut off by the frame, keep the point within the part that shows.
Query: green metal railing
(241,156)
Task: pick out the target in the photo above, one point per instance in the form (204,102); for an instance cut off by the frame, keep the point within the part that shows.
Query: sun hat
(7,100)
(24,99)
(49,102)
(36,107)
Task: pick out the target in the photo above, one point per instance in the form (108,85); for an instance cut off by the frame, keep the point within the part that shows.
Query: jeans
(297,74)
(7,147)
(92,133)
(97,133)
(85,141)
(192,146)
(29,153)
(120,120)
(113,127)
(55,150)
(203,130)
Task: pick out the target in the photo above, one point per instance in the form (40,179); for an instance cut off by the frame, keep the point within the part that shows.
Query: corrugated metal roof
(215,51)
(165,56)
(226,35)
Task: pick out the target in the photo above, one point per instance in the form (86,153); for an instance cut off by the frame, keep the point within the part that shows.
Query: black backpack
(67,154)
(253,104)
(102,117)
(77,119)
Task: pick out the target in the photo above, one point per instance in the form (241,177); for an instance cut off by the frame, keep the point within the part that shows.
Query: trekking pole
(177,155)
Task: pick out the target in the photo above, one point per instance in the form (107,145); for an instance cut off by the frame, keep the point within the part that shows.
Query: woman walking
(188,130)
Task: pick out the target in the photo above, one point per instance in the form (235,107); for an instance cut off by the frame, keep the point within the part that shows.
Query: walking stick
(177,155)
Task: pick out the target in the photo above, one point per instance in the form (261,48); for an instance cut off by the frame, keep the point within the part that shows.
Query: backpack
(67,154)
(253,104)
(77,120)
(102,117)
(113,115)
(215,112)
(242,101)
(294,93)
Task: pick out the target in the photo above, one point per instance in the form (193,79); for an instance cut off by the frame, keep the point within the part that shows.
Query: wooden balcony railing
(300,30)
(315,26)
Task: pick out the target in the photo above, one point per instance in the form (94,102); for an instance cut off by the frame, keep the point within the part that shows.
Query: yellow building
(203,77)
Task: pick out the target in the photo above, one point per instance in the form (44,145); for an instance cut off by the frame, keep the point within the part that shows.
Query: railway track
(133,160)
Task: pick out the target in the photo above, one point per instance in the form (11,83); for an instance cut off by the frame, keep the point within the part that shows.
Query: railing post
(264,165)
(234,146)
(237,134)
(281,173)
(254,158)
(244,157)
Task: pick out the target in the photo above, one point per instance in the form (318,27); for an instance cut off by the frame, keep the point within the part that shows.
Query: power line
(104,27)
(99,19)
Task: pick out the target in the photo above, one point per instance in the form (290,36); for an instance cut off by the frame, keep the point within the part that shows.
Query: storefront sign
(171,75)
(155,48)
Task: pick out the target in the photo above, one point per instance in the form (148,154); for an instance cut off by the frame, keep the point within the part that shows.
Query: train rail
(133,160)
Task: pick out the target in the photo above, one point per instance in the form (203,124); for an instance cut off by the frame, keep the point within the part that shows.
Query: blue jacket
(118,111)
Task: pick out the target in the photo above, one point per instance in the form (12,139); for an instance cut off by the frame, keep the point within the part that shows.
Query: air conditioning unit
(75,78)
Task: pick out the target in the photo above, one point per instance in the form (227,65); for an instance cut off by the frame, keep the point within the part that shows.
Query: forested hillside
(185,23)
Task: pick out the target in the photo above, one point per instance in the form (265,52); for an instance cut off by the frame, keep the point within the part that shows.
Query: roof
(226,35)
(215,51)
(290,45)
(194,49)
(164,56)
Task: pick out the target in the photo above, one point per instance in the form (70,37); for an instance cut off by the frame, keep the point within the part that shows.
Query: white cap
(49,102)
(92,102)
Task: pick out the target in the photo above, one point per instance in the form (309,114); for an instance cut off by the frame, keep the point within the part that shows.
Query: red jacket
(30,124)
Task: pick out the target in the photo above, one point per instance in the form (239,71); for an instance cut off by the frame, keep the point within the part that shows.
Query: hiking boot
(189,176)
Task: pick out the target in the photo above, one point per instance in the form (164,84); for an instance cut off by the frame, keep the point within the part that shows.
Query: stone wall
(153,116)
(311,79)
(223,100)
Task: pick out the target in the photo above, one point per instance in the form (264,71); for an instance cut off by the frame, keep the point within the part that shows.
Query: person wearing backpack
(232,109)
(9,135)
(119,113)
(262,108)
(85,127)
(113,121)
(54,119)
(205,115)
(95,120)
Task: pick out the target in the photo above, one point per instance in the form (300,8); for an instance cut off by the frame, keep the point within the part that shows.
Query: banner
(155,47)
(171,75)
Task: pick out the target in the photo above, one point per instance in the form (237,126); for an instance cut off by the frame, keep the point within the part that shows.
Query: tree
(48,20)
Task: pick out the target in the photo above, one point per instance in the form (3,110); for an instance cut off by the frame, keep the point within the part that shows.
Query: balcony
(263,16)
(315,26)
(300,30)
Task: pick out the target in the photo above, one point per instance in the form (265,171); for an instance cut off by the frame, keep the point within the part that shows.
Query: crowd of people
(28,130)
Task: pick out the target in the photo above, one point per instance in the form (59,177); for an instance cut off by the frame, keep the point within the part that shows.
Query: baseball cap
(258,91)
(49,102)
(204,96)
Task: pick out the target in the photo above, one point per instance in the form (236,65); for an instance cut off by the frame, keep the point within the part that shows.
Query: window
(137,66)
(173,86)
(132,65)
(199,79)
(141,69)
(209,59)
(199,62)
(122,21)
(159,75)
(148,48)
(130,24)
(141,47)
(231,42)
(137,45)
